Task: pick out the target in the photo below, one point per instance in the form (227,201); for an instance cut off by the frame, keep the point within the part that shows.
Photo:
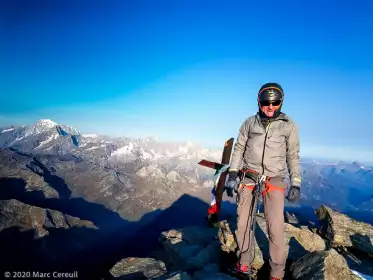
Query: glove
(231,183)
(294,194)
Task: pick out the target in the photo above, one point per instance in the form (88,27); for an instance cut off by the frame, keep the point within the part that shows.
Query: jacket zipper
(264,148)
(265,140)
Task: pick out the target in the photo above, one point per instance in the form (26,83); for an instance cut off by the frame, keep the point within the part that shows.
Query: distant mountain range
(344,186)
(145,157)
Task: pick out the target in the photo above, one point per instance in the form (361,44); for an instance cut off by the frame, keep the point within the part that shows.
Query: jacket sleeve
(239,147)
(292,157)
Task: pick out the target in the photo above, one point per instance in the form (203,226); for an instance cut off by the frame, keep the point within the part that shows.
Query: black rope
(253,205)
(253,225)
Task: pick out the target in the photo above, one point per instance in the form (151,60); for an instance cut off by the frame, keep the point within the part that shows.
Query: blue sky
(186,70)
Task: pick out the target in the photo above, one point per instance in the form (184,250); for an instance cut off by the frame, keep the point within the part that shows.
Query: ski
(213,211)
(211,164)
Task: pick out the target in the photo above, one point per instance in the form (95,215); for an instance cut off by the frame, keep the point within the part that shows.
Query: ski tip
(229,142)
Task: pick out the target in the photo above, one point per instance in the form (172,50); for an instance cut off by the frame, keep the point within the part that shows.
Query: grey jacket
(268,151)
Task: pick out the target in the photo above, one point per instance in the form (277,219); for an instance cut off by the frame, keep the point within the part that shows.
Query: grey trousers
(273,202)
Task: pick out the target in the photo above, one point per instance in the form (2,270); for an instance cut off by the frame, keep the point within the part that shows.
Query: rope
(254,205)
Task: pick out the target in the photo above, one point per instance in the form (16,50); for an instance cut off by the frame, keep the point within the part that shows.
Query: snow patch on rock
(146,155)
(47,122)
(7,130)
(127,149)
(90,135)
(43,143)
(150,171)
(173,176)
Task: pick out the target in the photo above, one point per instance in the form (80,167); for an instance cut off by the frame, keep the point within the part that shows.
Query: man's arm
(292,157)
(239,147)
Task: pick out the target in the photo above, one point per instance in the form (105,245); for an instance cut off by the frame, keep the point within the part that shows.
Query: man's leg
(274,212)
(243,224)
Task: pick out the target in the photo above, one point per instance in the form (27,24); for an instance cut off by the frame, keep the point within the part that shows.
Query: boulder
(342,230)
(191,247)
(226,237)
(300,241)
(326,265)
(133,268)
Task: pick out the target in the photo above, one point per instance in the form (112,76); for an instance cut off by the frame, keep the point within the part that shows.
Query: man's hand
(294,194)
(232,183)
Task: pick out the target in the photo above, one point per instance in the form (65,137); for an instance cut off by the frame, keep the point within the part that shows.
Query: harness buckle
(261,179)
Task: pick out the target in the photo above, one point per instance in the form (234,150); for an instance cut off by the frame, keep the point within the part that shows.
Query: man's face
(269,108)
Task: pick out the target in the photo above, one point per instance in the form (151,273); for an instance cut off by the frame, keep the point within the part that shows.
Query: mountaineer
(267,143)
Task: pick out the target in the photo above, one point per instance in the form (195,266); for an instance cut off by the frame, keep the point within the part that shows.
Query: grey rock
(326,265)
(342,230)
(209,254)
(190,247)
(148,267)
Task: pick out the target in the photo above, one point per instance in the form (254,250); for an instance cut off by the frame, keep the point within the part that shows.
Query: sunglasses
(267,103)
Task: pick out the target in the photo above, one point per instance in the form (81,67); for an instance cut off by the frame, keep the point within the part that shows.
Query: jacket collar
(281,116)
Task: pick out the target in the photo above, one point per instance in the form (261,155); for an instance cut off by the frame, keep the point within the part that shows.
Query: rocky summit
(197,252)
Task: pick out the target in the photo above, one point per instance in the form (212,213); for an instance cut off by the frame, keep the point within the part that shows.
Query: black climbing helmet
(271,93)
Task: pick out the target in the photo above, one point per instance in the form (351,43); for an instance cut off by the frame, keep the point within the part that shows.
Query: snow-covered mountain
(344,186)
(146,157)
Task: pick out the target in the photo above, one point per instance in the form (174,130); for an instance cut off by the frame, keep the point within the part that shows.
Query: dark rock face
(341,230)
(328,265)
(61,213)
(30,236)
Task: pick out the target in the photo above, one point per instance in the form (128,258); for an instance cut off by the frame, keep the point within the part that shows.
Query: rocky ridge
(195,253)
